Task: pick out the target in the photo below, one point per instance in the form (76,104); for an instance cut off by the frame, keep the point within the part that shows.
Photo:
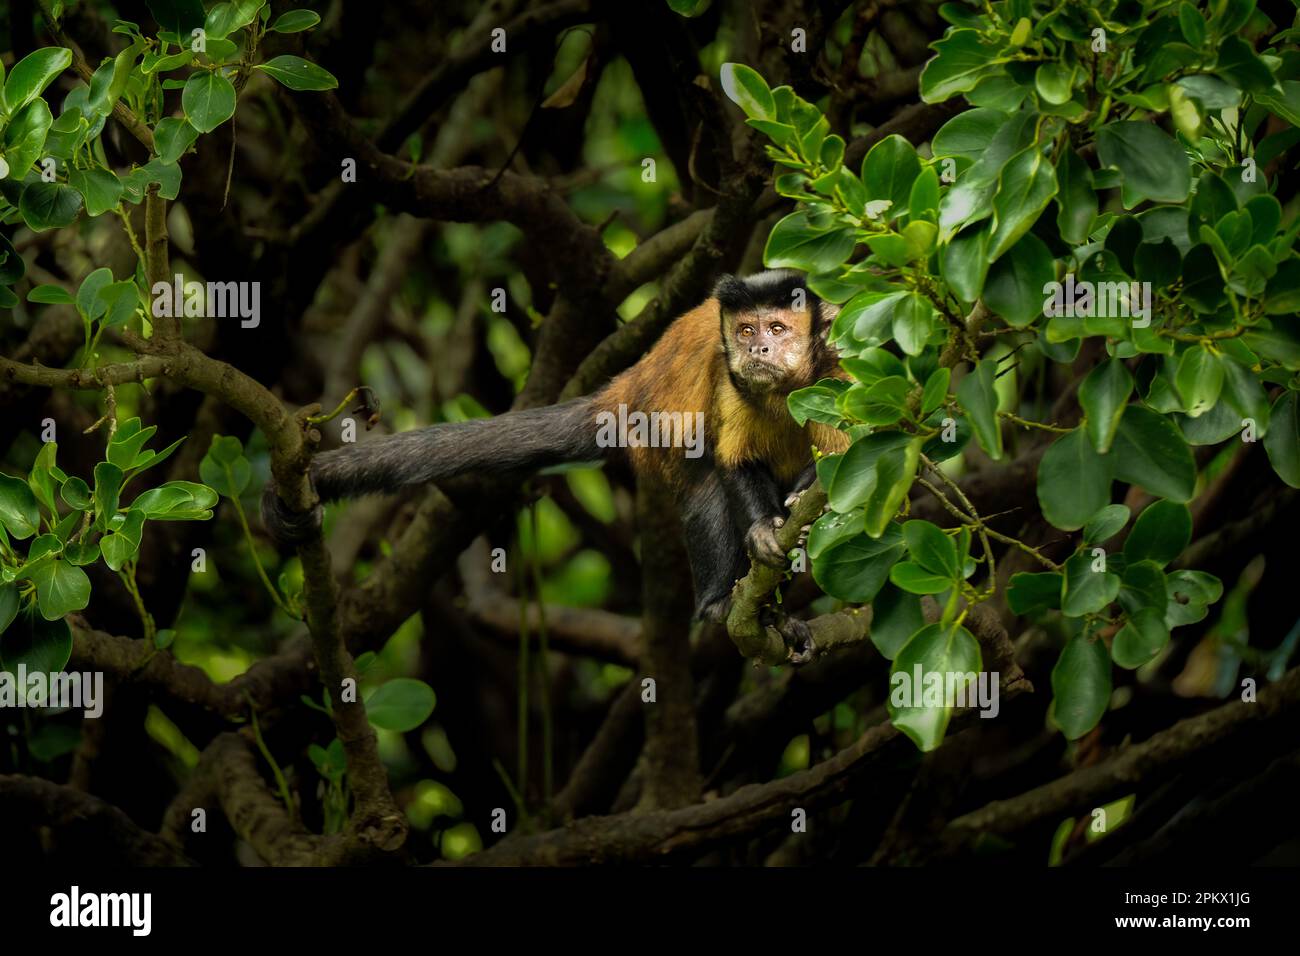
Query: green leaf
(1054,82)
(917,580)
(124,448)
(895,472)
(855,569)
(32,74)
(61,588)
(24,138)
(1154,165)
(967,135)
(1105,524)
(19,513)
(9,607)
(1014,289)
(49,206)
(895,617)
(965,263)
(1073,481)
(1192,24)
(831,529)
(978,396)
(1026,186)
(108,486)
(970,198)
(889,171)
(1282,441)
(177,16)
(1076,200)
(797,244)
(50,295)
(225,18)
(175,497)
(1087,591)
(1081,686)
(37,644)
(172,137)
(41,479)
(1143,586)
(1190,593)
(1160,533)
(936,390)
(299,74)
(1239,65)
(1149,451)
(121,545)
(89,303)
(1199,379)
(932,549)
(224,467)
(208,100)
(923,201)
(100,188)
(295,21)
(939,652)
(960,61)
(1103,394)
(817,402)
(400,705)
(76,493)
(1032,592)
(914,319)
(1141,638)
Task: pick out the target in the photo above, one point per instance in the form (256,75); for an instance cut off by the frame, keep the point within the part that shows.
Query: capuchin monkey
(734,360)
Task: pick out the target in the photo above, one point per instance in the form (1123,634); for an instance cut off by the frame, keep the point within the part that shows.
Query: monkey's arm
(754,499)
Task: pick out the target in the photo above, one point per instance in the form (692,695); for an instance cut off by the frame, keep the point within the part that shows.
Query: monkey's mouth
(757,368)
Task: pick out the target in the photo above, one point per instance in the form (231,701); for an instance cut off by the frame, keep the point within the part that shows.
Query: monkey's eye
(747,330)
(778,328)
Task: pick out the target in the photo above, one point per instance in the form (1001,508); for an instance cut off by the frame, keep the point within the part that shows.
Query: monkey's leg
(754,500)
(714,547)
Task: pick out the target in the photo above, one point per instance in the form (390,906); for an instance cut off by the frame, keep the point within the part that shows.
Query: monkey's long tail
(520,441)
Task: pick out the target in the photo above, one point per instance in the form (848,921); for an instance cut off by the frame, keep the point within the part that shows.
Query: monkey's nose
(759,349)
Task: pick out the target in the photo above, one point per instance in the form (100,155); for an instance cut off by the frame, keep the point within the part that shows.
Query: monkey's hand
(761,543)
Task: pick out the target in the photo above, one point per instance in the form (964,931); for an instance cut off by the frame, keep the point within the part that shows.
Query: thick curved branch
(86,825)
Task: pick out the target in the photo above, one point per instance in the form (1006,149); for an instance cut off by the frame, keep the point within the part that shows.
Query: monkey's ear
(730,293)
(824,314)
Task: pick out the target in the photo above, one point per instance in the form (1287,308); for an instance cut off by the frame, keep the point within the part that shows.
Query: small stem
(523,683)
(252,548)
(1025,422)
(127,574)
(281,784)
(130,236)
(542,659)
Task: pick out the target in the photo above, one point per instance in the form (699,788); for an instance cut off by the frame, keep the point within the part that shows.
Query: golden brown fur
(686,372)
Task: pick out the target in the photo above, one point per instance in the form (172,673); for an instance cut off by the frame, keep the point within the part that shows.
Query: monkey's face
(769,348)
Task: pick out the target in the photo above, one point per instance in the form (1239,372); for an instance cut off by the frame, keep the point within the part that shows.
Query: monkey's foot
(761,543)
(796,634)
